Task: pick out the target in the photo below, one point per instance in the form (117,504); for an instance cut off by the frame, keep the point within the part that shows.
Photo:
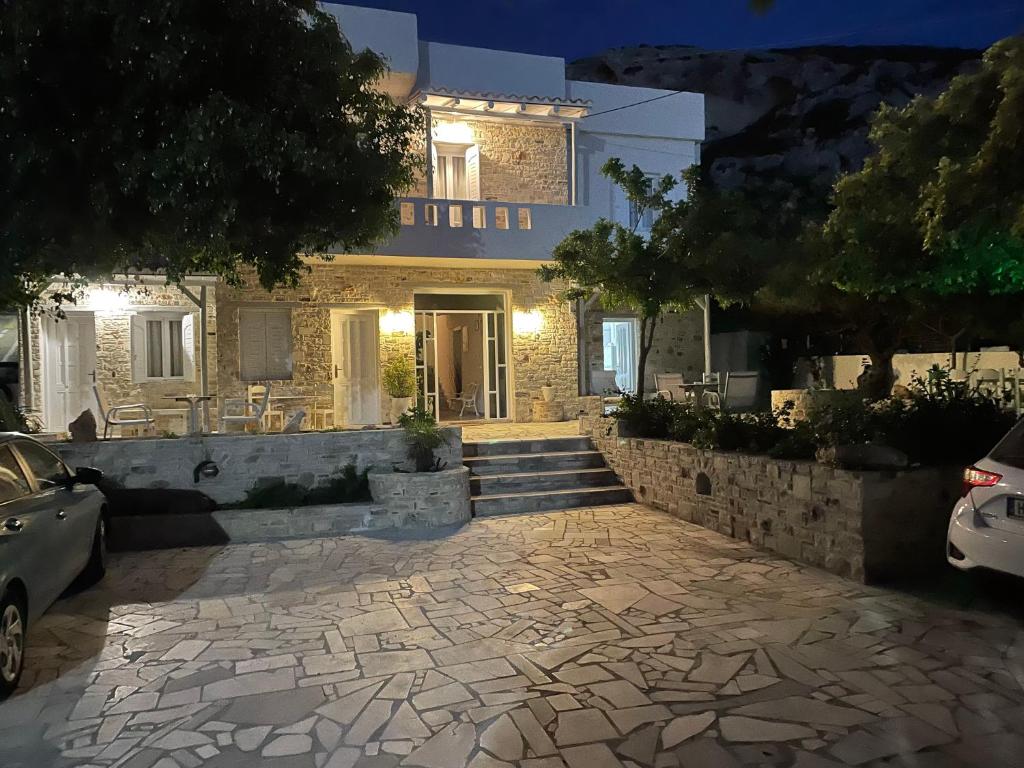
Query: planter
(423,499)
(399,405)
(548,393)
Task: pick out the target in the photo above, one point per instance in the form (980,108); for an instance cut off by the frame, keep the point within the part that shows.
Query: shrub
(423,435)
(13,418)
(398,377)
(348,487)
(647,418)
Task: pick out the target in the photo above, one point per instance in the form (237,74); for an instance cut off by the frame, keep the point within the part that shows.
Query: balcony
(482,229)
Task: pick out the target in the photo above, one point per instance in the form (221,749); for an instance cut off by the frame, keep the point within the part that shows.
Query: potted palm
(423,435)
(399,380)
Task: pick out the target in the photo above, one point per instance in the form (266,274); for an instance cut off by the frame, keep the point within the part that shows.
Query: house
(512,151)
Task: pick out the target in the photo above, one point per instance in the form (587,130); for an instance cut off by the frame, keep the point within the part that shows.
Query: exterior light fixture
(453,133)
(396,323)
(527,322)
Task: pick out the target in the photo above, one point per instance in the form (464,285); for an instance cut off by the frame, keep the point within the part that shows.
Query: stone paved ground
(587,639)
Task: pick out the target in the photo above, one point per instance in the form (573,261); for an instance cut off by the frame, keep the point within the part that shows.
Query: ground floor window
(265,344)
(162,345)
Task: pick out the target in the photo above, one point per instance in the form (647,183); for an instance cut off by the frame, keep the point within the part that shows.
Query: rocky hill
(800,113)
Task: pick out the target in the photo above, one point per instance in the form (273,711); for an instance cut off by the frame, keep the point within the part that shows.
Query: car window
(47,468)
(13,484)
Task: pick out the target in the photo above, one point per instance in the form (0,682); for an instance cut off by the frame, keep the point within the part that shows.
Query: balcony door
(354,357)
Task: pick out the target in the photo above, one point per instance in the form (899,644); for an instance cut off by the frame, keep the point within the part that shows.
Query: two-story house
(512,152)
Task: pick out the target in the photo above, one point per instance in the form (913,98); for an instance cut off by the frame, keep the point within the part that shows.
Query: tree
(629,269)
(196,135)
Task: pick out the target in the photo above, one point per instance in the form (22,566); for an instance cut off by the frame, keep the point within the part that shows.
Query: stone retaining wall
(422,499)
(866,526)
(243,461)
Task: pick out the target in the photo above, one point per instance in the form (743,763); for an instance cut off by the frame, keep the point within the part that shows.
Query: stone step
(516,482)
(539,445)
(548,501)
(504,464)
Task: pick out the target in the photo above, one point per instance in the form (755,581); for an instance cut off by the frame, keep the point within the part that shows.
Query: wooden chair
(250,413)
(112,417)
(255,393)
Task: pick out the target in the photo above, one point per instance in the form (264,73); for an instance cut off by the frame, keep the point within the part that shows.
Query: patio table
(194,402)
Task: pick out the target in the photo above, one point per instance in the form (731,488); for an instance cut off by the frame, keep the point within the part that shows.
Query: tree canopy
(188,136)
(630,269)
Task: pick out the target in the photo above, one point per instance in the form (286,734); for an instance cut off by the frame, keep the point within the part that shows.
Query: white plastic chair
(112,416)
(251,412)
(467,398)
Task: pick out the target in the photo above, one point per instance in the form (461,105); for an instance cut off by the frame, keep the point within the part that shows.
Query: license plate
(1015,508)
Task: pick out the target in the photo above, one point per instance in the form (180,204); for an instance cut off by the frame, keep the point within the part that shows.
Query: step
(504,464)
(514,482)
(549,501)
(536,445)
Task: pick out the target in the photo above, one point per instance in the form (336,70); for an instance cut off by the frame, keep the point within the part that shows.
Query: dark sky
(574,28)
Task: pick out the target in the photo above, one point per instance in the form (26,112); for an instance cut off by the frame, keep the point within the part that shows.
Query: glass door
(426,361)
(495,366)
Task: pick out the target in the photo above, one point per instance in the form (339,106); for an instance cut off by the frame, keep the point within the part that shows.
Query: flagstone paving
(606,637)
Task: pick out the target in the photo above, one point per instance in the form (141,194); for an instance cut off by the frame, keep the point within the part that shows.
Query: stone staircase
(539,475)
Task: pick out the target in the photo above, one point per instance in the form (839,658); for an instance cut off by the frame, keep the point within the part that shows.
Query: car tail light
(978,478)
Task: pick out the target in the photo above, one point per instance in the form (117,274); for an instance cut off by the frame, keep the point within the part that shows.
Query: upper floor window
(163,344)
(642,219)
(456,171)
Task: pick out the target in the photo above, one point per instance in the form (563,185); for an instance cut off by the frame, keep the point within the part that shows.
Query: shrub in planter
(423,436)
(647,418)
(398,377)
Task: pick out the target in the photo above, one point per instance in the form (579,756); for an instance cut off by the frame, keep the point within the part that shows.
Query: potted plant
(399,380)
(423,435)
(547,392)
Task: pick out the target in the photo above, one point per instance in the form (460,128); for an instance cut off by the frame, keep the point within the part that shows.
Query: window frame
(15,446)
(165,318)
(266,374)
(15,456)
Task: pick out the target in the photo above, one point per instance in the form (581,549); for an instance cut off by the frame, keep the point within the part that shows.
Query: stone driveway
(615,636)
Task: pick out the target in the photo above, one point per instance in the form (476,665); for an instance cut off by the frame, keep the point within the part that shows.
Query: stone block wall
(243,461)
(678,343)
(421,499)
(549,355)
(860,525)
(520,162)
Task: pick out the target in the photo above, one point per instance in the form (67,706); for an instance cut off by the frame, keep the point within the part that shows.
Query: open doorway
(462,356)
(620,338)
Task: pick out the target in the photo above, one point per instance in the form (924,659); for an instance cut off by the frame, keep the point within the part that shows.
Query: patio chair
(737,393)
(671,387)
(251,413)
(603,383)
(112,415)
(255,394)
(466,398)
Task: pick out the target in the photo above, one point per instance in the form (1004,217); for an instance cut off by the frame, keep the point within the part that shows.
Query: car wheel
(12,643)
(96,568)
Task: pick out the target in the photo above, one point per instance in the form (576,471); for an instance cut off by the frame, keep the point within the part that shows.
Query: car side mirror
(87,475)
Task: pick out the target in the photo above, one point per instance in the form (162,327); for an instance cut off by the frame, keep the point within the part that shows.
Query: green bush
(348,487)
(423,435)
(934,422)
(13,419)
(398,377)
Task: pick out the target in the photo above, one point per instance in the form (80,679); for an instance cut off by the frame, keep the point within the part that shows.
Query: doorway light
(400,322)
(108,298)
(527,322)
(453,133)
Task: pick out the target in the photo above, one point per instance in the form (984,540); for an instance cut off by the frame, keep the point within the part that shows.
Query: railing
(483,229)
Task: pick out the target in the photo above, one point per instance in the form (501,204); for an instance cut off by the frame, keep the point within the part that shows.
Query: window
(162,345)
(48,470)
(642,220)
(456,171)
(13,484)
(265,344)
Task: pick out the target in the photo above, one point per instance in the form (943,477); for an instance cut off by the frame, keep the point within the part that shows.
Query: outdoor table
(193,409)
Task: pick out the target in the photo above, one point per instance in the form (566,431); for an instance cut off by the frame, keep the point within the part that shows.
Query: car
(53,530)
(986,529)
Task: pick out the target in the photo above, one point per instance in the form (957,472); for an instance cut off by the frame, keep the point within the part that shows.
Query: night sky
(575,28)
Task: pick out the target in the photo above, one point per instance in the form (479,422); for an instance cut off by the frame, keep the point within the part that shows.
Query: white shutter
(188,346)
(138,322)
(279,344)
(252,345)
(435,172)
(473,172)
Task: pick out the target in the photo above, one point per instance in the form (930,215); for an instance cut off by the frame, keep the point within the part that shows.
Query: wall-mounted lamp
(527,323)
(401,322)
(456,132)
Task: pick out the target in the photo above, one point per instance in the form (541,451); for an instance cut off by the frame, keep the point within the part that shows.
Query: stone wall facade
(866,526)
(678,343)
(537,358)
(520,161)
(245,461)
(422,499)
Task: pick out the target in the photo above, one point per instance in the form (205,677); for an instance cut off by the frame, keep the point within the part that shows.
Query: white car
(986,529)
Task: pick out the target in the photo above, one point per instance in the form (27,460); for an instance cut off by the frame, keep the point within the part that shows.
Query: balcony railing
(482,229)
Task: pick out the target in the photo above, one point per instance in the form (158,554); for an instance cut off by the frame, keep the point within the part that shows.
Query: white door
(69,368)
(354,357)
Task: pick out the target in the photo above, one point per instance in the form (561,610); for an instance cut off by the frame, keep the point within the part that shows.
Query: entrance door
(69,368)
(354,357)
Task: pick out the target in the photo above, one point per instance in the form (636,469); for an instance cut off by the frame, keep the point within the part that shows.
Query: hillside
(800,113)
